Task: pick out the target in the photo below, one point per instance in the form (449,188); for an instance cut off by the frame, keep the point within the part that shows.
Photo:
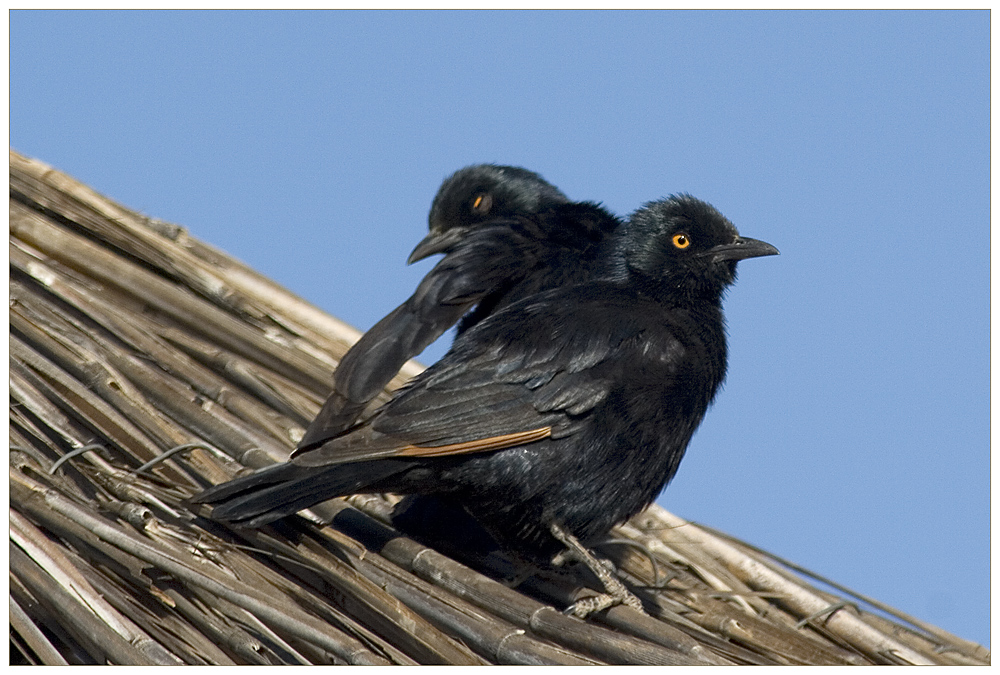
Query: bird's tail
(283,489)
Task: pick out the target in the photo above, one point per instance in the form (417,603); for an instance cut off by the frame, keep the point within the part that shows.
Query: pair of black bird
(587,354)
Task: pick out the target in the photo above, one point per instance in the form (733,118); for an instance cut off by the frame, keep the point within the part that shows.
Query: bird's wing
(531,371)
(485,260)
(494,255)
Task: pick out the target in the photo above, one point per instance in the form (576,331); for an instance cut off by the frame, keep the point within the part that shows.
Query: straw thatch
(146,365)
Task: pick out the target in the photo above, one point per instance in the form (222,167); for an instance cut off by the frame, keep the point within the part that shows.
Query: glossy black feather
(284,489)
(622,369)
(530,238)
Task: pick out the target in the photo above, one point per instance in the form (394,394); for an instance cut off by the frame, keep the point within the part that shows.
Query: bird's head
(684,246)
(481,193)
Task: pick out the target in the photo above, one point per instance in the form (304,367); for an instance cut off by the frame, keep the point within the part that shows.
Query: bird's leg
(616,594)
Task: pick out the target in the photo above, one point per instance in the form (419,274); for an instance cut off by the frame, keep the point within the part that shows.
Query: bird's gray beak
(435,242)
(743,247)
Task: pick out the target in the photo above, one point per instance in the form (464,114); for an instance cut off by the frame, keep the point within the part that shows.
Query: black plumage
(568,409)
(506,233)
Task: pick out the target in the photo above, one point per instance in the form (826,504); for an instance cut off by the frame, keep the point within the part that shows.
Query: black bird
(506,233)
(562,414)
(478,193)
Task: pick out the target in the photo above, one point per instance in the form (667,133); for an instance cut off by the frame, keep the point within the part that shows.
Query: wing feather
(480,445)
(495,389)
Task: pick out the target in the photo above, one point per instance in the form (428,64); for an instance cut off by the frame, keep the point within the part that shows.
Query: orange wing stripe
(479,445)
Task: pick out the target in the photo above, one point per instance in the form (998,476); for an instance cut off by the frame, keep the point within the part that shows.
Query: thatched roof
(146,365)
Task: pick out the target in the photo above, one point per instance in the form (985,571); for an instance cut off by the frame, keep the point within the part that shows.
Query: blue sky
(852,435)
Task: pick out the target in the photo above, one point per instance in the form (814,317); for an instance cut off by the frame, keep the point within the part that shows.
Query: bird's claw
(617,593)
(595,603)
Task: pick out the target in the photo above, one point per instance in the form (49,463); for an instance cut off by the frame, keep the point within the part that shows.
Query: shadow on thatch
(129,339)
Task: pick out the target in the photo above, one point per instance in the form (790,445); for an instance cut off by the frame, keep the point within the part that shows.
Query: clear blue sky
(852,435)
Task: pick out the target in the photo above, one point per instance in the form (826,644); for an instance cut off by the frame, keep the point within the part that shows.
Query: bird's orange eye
(482,203)
(681,240)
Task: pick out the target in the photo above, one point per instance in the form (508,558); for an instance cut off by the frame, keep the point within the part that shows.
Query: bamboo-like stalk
(498,599)
(796,598)
(22,624)
(254,600)
(71,587)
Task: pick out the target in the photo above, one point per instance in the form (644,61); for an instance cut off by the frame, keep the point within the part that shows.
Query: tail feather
(284,489)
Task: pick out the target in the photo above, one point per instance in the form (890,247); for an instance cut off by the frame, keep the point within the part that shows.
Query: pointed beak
(435,242)
(743,247)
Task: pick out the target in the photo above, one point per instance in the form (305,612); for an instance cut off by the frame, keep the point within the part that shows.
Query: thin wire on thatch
(145,366)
